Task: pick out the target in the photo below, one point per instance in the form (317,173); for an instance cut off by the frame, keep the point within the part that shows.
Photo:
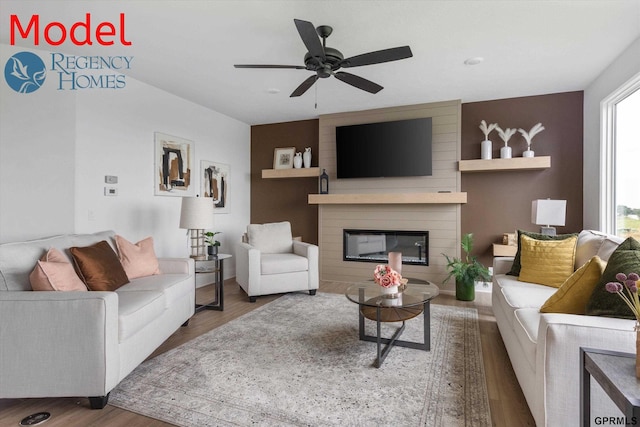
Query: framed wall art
(214,183)
(283,157)
(174,159)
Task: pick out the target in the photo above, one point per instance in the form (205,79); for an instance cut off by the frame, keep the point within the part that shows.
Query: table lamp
(547,212)
(196,214)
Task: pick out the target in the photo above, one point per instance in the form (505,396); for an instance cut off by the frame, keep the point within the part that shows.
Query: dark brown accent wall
(500,202)
(284,199)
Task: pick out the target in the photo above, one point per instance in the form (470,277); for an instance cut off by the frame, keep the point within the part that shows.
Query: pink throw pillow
(138,260)
(53,272)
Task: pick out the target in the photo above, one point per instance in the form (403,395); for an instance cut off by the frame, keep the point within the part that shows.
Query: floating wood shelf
(291,173)
(387,198)
(516,163)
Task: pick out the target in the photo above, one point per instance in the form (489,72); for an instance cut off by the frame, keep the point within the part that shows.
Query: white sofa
(68,344)
(272,262)
(544,348)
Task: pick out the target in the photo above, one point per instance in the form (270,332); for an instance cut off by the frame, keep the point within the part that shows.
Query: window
(620,161)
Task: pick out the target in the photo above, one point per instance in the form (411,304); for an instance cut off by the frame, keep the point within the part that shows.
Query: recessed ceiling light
(474,61)
(273,90)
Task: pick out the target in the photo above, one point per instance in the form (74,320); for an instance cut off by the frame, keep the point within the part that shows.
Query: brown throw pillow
(99,267)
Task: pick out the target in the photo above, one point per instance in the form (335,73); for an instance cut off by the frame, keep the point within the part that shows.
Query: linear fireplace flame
(375,245)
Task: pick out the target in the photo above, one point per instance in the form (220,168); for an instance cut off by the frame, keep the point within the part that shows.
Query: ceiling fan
(326,61)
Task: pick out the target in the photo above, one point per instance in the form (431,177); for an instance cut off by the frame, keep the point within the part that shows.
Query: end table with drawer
(211,272)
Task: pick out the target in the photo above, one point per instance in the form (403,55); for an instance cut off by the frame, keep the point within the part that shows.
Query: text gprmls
(67,67)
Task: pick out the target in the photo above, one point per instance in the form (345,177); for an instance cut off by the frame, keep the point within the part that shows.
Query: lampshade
(196,213)
(547,212)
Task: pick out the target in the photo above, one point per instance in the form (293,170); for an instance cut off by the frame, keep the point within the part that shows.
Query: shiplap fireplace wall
(442,220)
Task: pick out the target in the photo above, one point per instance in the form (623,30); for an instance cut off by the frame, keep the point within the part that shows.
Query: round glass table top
(370,294)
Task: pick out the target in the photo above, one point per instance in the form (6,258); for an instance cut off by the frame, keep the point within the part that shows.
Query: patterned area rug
(297,361)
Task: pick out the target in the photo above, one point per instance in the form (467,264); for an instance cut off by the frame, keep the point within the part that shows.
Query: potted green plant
(466,271)
(212,243)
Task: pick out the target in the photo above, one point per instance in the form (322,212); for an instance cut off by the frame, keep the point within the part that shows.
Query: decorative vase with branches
(528,136)
(505,135)
(486,146)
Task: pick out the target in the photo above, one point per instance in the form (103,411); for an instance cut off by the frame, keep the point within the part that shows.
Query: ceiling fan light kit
(326,61)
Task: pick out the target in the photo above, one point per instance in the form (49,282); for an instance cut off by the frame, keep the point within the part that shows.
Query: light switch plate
(111,179)
(110,191)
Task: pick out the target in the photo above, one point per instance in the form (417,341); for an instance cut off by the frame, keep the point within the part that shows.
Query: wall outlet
(110,191)
(111,179)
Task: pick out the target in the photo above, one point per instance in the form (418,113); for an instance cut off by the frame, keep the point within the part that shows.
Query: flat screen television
(385,149)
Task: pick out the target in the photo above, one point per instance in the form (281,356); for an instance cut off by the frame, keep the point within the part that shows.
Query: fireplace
(375,245)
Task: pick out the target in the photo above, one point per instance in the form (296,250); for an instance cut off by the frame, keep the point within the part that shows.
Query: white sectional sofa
(68,344)
(544,347)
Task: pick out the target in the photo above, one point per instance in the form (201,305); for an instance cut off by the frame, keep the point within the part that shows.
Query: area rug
(297,361)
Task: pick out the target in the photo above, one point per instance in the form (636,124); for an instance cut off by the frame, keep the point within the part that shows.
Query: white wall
(620,71)
(57,146)
(37,161)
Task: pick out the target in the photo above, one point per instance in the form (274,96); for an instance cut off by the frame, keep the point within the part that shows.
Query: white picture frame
(214,183)
(283,157)
(174,161)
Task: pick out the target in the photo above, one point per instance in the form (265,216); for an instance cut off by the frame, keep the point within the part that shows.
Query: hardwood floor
(508,406)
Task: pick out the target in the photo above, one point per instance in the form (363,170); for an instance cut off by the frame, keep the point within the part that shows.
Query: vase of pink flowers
(627,288)
(389,279)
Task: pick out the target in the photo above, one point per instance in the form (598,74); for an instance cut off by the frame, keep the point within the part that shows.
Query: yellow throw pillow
(547,262)
(573,295)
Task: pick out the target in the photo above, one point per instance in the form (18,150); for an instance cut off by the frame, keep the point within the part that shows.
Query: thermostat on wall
(110,191)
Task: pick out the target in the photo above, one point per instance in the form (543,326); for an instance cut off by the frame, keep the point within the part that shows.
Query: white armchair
(271,262)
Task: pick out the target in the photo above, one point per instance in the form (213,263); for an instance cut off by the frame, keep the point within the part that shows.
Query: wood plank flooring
(508,406)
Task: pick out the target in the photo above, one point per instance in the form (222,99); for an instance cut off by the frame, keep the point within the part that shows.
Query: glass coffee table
(400,307)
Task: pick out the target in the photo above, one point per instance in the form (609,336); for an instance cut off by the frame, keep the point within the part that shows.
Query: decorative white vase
(528,153)
(391,296)
(389,290)
(297,161)
(505,152)
(486,149)
(307,157)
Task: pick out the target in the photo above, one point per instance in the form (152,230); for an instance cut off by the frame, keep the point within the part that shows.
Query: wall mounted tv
(385,149)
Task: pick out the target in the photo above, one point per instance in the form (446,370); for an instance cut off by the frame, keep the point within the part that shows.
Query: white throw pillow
(272,237)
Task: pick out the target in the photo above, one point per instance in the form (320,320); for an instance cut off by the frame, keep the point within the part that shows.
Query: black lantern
(324,182)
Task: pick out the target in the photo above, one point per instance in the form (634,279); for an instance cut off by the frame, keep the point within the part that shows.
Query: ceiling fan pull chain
(317,84)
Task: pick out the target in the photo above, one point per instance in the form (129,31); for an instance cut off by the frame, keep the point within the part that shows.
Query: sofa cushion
(282,263)
(523,295)
(54,272)
(592,243)
(547,262)
(515,268)
(572,297)
(272,237)
(99,267)
(137,309)
(625,259)
(526,329)
(137,259)
(174,286)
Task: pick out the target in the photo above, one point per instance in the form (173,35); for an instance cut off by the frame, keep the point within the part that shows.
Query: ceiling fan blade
(304,86)
(296,67)
(310,38)
(358,82)
(377,57)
